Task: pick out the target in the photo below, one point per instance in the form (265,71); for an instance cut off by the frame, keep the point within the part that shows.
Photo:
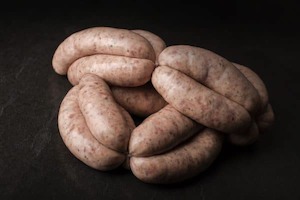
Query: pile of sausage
(191,101)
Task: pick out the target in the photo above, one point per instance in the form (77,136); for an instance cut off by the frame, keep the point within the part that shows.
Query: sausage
(184,161)
(103,115)
(157,42)
(258,84)
(100,40)
(141,101)
(265,117)
(161,131)
(115,70)
(213,71)
(198,102)
(78,138)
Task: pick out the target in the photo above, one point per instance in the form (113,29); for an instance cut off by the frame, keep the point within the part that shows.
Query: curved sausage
(116,70)
(100,40)
(78,138)
(183,162)
(161,131)
(265,117)
(103,115)
(258,84)
(213,71)
(141,101)
(198,102)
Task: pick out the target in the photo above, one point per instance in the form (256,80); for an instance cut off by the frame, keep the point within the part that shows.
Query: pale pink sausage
(184,161)
(115,70)
(161,131)
(100,40)
(78,138)
(199,102)
(141,101)
(103,115)
(213,71)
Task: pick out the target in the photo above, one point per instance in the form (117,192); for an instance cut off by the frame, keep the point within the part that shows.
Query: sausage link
(198,102)
(213,71)
(116,70)
(185,161)
(78,138)
(102,114)
(100,40)
(141,101)
(258,84)
(265,117)
(161,131)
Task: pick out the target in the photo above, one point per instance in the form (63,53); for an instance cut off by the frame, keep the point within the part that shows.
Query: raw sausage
(141,101)
(198,102)
(115,70)
(185,161)
(103,115)
(161,131)
(100,40)
(213,71)
(78,138)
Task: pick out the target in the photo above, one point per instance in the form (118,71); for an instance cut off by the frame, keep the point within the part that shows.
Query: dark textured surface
(34,162)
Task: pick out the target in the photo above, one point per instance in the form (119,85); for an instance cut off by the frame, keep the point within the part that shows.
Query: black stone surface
(34,162)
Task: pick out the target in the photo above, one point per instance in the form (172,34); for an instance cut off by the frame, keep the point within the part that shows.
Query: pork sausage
(198,102)
(185,161)
(100,40)
(78,138)
(161,131)
(213,71)
(103,115)
(141,101)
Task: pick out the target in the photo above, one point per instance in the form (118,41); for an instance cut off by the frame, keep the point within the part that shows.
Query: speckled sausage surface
(103,115)
(265,116)
(101,40)
(161,131)
(185,161)
(213,71)
(115,70)
(199,102)
(141,101)
(78,138)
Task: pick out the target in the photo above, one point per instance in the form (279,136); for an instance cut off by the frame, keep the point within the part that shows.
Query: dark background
(35,164)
